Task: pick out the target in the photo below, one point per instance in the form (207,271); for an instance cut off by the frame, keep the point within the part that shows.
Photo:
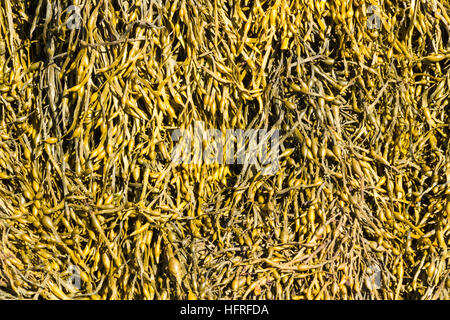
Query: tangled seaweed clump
(92,205)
